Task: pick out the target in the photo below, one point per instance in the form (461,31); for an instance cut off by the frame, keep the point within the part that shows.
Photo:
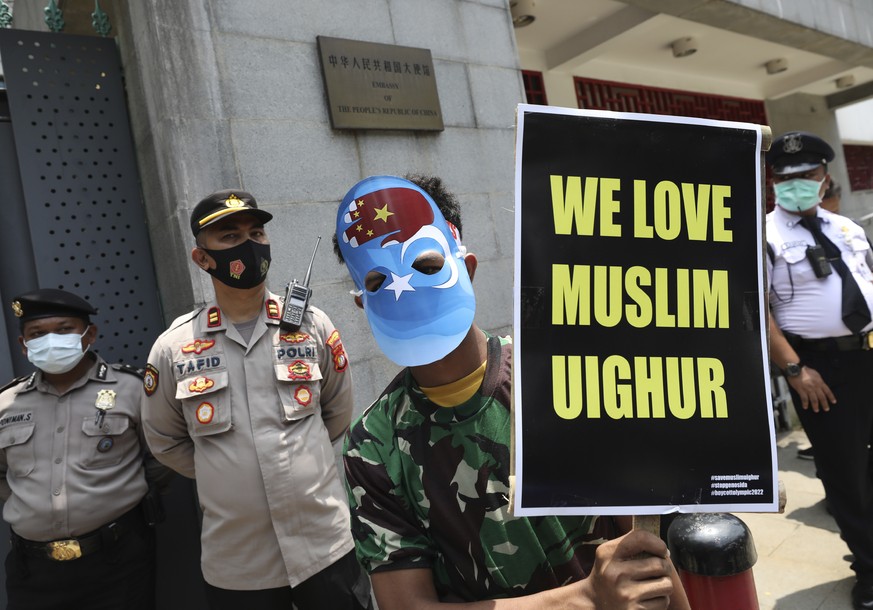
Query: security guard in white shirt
(821,297)
(250,410)
(73,468)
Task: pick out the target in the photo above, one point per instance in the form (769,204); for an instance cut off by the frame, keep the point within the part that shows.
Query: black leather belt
(846,343)
(74,548)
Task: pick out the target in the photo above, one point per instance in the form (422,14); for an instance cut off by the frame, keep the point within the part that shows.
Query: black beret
(798,151)
(223,203)
(50,302)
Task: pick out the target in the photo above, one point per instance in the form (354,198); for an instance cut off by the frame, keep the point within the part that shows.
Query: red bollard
(714,554)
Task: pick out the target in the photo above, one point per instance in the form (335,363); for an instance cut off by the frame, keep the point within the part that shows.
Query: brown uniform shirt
(61,475)
(253,424)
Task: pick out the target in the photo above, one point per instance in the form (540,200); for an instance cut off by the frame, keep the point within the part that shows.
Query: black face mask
(243,266)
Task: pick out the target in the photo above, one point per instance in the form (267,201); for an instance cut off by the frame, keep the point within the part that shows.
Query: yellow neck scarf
(458,392)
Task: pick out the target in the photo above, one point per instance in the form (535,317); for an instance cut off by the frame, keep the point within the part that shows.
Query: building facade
(224,94)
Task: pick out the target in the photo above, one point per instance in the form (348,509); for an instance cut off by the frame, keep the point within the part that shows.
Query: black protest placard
(641,379)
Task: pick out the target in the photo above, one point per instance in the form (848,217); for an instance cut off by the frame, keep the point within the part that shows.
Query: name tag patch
(198,364)
(18,418)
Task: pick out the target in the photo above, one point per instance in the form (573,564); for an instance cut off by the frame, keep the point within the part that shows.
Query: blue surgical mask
(798,194)
(55,354)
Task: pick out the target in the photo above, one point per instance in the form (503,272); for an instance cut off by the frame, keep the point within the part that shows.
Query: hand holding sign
(635,571)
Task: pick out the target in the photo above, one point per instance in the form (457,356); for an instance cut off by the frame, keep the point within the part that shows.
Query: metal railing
(54,17)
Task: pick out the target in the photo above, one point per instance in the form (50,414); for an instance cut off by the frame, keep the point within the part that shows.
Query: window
(623,97)
(859,163)
(534,89)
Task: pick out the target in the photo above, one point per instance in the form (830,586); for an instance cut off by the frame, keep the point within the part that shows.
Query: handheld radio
(297,297)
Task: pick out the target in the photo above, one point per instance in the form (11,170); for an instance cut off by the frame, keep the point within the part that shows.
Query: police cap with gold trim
(49,303)
(798,151)
(223,203)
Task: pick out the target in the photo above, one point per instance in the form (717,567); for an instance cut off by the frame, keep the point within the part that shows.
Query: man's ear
(23,346)
(200,258)
(824,185)
(359,302)
(90,335)
(472,263)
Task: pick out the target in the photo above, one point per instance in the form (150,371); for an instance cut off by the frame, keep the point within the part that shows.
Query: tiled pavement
(801,557)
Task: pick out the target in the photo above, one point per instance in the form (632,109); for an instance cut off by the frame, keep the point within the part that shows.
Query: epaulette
(129,368)
(14,382)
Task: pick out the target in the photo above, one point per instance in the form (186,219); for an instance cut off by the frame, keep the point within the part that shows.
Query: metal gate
(73,218)
(83,223)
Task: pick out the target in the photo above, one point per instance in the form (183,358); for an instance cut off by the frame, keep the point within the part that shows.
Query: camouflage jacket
(429,487)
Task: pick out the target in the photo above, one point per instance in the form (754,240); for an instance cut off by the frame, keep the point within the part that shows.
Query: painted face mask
(798,194)
(243,266)
(55,353)
(419,313)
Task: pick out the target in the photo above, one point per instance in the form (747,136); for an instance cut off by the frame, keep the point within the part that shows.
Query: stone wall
(230,94)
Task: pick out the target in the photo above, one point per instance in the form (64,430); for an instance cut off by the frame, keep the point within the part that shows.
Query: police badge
(792,144)
(234,202)
(105,401)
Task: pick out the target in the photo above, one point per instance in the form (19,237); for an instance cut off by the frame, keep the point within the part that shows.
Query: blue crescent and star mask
(384,224)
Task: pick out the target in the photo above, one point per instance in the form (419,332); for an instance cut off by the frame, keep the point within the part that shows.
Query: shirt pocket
(20,454)
(795,253)
(798,265)
(107,445)
(299,386)
(858,258)
(205,403)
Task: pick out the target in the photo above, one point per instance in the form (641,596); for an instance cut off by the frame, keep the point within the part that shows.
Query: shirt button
(57,492)
(57,460)
(60,429)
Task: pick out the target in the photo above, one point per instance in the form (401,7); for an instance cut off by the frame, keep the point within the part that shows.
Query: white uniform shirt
(253,424)
(802,303)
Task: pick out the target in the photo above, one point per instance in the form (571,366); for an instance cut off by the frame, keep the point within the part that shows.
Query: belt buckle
(64,550)
(867,341)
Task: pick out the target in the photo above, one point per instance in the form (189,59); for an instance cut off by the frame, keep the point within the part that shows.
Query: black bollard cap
(711,544)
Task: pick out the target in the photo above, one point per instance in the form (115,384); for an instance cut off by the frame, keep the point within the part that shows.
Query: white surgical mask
(53,353)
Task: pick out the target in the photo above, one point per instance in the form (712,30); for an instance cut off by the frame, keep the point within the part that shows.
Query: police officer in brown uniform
(250,410)
(72,467)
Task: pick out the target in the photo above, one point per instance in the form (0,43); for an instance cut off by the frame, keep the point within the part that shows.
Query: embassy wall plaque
(379,86)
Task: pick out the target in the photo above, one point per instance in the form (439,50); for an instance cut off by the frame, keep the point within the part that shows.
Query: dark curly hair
(444,200)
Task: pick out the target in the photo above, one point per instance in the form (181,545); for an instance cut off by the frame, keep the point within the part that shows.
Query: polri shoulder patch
(150,380)
(337,351)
